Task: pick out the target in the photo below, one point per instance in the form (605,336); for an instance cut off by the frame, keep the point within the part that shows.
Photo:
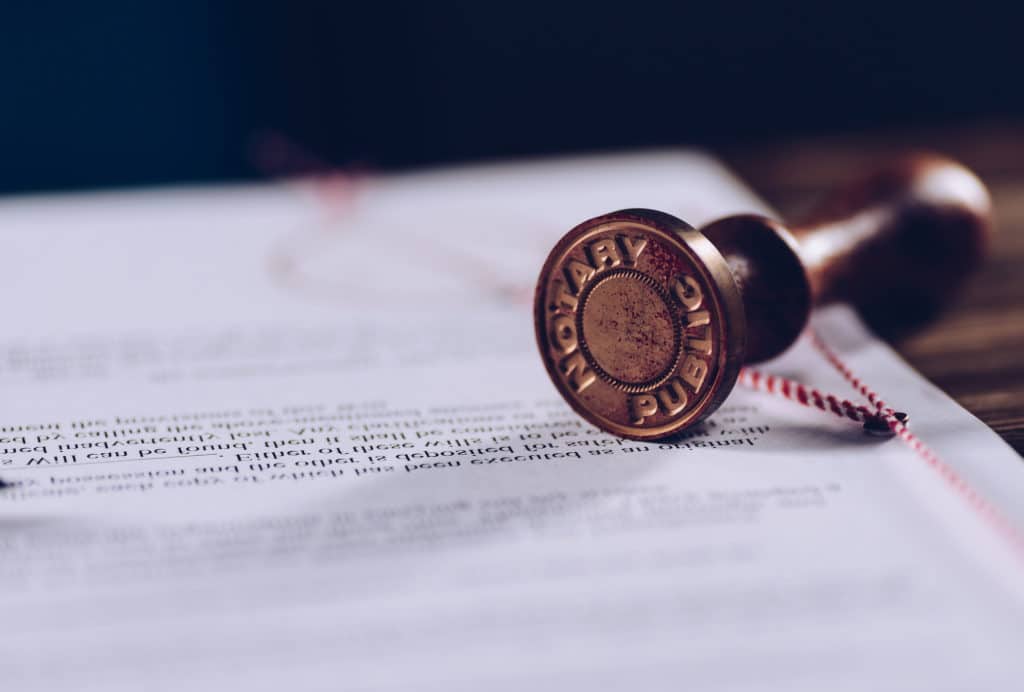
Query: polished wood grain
(974,348)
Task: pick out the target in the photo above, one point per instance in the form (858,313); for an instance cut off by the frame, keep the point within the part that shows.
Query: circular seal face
(639,323)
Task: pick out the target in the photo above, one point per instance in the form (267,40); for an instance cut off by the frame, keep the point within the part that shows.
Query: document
(297,436)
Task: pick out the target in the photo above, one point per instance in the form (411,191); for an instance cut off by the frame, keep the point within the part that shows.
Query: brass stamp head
(639,323)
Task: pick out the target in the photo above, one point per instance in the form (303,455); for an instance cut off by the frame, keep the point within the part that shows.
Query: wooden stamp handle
(910,231)
(895,243)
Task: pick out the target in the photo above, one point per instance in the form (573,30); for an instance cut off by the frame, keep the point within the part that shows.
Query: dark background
(129,93)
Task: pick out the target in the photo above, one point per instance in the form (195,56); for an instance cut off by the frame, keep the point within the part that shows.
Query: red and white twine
(874,417)
(808,396)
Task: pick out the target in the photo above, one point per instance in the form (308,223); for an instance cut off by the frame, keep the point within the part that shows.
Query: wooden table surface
(975,349)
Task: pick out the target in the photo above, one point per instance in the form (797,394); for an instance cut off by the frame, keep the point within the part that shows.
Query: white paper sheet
(298,435)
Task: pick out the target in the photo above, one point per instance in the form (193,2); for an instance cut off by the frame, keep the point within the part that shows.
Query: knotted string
(878,418)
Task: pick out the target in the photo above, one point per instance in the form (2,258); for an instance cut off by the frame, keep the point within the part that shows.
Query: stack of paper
(298,436)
